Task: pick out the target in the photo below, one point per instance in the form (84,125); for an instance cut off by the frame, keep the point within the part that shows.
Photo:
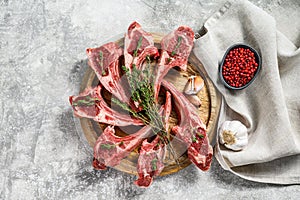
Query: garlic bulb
(233,134)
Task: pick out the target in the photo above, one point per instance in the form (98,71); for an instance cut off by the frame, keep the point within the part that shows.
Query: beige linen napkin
(270,106)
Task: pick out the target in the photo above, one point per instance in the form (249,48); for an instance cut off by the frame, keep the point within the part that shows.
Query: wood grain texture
(208,113)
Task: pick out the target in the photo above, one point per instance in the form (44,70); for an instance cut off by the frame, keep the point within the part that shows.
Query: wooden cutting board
(208,112)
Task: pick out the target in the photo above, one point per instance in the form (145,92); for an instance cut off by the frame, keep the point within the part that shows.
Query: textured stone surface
(42,60)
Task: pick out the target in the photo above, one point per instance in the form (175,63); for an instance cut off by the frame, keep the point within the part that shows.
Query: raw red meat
(104,61)
(97,109)
(150,162)
(191,130)
(137,45)
(176,48)
(110,149)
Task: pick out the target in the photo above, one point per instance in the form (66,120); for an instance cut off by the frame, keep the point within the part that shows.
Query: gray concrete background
(42,60)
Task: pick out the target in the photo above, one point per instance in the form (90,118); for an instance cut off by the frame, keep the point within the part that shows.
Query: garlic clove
(233,135)
(194,99)
(193,85)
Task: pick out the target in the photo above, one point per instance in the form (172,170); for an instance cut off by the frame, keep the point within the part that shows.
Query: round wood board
(208,111)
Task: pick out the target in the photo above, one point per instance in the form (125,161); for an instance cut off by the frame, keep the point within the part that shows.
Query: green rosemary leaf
(148,58)
(200,135)
(169,59)
(87,101)
(139,44)
(104,73)
(123,105)
(194,139)
(107,146)
(177,45)
(154,164)
(101,58)
(124,68)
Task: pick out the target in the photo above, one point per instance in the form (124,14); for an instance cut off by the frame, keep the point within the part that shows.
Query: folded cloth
(270,106)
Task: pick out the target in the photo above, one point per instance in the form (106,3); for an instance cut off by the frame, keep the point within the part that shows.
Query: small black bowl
(257,59)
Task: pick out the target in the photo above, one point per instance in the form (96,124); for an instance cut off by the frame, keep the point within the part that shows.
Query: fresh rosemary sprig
(142,92)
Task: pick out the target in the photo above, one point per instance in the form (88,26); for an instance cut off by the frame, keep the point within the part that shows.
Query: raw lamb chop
(191,130)
(138,45)
(150,162)
(104,61)
(176,48)
(110,149)
(90,104)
